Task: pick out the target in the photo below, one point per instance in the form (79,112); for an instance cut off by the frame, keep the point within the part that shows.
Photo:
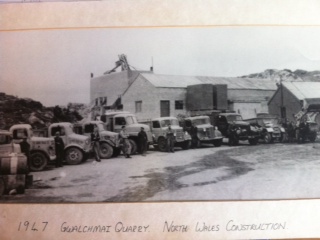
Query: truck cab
(115,120)
(7,146)
(109,141)
(77,147)
(206,132)
(159,128)
(42,149)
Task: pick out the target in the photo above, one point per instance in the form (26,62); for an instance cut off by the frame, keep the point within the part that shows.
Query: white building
(150,95)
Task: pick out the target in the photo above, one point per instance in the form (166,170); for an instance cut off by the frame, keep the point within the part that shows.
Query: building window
(179,105)
(138,106)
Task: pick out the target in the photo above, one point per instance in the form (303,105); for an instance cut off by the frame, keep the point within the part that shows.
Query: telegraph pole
(282,108)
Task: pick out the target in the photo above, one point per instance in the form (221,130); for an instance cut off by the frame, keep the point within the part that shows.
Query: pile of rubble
(14,110)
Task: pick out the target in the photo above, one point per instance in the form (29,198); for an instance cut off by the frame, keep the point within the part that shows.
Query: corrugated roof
(303,90)
(172,81)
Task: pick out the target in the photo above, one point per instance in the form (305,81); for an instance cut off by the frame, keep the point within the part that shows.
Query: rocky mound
(287,75)
(14,110)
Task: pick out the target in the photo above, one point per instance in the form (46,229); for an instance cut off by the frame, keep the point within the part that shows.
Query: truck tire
(284,138)
(217,143)
(74,156)
(199,144)
(253,141)
(186,145)
(106,151)
(266,138)
(162,145)
(38,161)
(235,142)
(312,137)
(21,190)
(134,146)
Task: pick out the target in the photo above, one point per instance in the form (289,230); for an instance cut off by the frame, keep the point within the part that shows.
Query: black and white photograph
(159,114)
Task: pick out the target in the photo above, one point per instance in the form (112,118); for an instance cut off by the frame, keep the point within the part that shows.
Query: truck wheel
(266,138)
(116,152)
(74,156)
(162,144)
(21,190)
(284,138)
(235,142)
(106,151)
(312,137)
(134,146)
(198,144)
(186,145)
(38,161)
(217,143)
(253,141)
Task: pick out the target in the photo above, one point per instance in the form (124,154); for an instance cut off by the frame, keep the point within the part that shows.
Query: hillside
(14,110)
(287,75)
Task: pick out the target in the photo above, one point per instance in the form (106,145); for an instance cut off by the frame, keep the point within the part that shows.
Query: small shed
(292,97)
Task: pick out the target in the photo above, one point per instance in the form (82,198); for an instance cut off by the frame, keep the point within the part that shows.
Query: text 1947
(32,226)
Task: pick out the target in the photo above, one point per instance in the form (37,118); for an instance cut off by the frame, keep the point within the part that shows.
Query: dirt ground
(265,171)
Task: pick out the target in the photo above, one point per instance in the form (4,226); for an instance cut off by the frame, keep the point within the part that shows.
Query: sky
(54,66)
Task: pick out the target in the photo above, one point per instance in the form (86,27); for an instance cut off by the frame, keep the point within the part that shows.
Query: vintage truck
(269,127)
(206,132)
(159,127)
(109,141)
(244,130)
(76,147)
(115,120)
(42,149)
(13,167)
(310,129)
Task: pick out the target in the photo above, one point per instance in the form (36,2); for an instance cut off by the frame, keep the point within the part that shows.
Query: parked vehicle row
(210,130)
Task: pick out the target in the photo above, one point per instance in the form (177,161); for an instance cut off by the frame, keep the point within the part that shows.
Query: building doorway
(164,108)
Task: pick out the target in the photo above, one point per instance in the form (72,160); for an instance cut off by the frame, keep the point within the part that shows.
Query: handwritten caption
(167,227)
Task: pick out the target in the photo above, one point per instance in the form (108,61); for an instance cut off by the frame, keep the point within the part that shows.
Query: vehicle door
(222,124)
(5,144)
(156,129)
(19,133)
(62,131)
(88,129)
(187,125)
(118,123)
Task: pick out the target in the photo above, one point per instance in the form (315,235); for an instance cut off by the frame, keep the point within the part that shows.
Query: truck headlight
(204,129)
(87,142)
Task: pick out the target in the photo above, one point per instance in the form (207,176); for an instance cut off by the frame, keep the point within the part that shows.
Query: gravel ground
(273,171)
